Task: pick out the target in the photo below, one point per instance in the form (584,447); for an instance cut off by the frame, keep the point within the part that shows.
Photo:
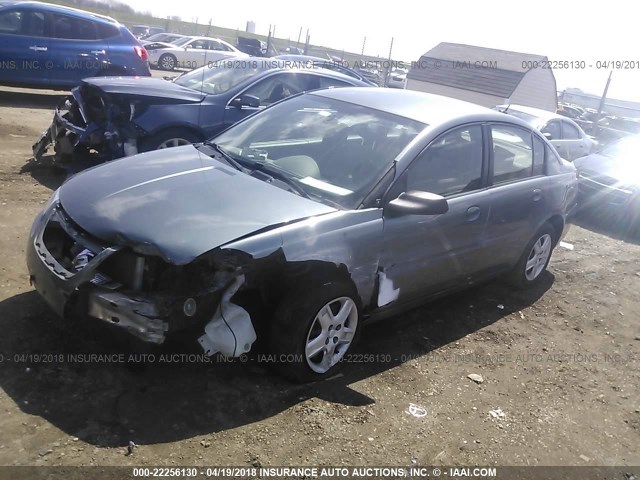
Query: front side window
(19,22)
(569,132)
(553,129)
(512,153)
(335,151)
(452,164)
(277,87)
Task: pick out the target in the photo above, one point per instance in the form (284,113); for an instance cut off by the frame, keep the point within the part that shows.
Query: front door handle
(537,194)
(98,52)
(38,48)
(473,213)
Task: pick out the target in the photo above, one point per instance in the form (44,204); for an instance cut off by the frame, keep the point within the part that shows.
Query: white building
(485,76)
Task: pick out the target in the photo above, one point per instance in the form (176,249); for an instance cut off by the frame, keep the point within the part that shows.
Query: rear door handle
(38,48)
(537,194)
(473,213)
(98,52)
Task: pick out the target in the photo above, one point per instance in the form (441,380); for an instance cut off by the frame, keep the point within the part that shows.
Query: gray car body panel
(177,202)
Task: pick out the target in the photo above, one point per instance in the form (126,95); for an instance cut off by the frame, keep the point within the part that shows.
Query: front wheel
(313,329)
(167,61)
(535,259)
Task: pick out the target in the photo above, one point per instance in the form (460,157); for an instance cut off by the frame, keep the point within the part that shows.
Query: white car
(397,79)
(161,37)
(191,52)
(566,135)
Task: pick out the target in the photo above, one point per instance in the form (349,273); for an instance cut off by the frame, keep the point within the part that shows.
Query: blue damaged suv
(50,46)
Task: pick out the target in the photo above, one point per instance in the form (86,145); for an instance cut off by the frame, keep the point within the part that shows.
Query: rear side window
(512,153)
(73,28)
(107,31)
(20,22)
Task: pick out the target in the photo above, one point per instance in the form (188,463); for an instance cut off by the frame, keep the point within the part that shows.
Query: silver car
(566,135)
(304,222)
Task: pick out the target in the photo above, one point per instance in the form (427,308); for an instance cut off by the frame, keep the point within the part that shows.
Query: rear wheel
(535,259)
(167,61)
(313,329)
(174,137)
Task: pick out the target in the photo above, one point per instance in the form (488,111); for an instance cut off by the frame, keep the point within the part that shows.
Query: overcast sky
(559,29)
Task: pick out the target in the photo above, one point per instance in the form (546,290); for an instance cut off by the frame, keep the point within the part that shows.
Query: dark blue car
(111,117)
(50,46)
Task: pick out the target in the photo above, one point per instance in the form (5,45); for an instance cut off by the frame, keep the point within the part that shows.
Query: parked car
(308,60)
(50,46)
(117,116)
(566,135)
(609,181)
(570,111)
(162,37)
(155,30)
(191,52)
(303,223)
(397,79)
(252,46)
(611,128)
(140,31)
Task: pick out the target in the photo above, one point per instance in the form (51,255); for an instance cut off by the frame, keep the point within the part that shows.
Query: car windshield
(220,77)
(626,149)
(334,151)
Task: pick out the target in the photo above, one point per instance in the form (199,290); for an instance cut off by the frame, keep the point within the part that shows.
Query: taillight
(141,52)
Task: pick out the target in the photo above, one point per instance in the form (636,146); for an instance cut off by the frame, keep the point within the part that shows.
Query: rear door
(519,192)
(24,47)
(77,51)
(426,254)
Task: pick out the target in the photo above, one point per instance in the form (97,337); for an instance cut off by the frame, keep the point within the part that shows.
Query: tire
(167,61)
(534,260)
(298,328)
(164,139)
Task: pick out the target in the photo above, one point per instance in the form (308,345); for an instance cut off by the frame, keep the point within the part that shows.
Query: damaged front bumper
(144,316)
(75,136)
(68,268)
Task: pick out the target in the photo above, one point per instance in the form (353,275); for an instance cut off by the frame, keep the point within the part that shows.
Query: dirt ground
(562,364)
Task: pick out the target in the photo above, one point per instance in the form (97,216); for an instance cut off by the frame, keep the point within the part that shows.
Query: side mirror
(245,101)
(417,203)
(548,136)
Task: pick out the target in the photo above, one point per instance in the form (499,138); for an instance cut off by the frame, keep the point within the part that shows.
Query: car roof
(61,9)
(426,108)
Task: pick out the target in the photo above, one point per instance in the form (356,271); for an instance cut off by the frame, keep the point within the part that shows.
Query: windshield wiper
(231,161)
(275,173)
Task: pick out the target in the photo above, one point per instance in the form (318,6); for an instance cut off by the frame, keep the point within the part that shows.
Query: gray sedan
(566,135)
(304,222)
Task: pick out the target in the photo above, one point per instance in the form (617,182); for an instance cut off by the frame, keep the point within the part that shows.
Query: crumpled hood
(177,202)
(161,91)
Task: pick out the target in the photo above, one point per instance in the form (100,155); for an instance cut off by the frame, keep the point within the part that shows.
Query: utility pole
(306,45)
(388,69)
(299,35)
(594,126)
(364,42)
